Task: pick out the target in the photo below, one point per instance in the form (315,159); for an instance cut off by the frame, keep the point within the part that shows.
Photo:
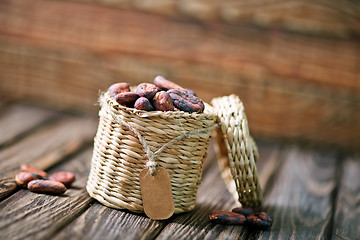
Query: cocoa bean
(164,84)
(147,90)
(244,211)
(23,178)
(47,186)
(185,101)
(143,104)
(163,102)
(66,178)
(190,92)
(259,220)
(117,88)
(126,98)
(225,217)
(28,168)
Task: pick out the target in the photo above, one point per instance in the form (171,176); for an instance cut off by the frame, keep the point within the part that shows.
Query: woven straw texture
(237,151)
(129,140)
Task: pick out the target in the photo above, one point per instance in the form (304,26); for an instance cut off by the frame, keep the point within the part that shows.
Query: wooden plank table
(310,194)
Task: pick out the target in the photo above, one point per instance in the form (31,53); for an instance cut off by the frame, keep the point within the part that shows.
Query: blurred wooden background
(295,64)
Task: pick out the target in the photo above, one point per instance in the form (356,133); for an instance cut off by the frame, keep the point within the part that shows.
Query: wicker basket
(128,140)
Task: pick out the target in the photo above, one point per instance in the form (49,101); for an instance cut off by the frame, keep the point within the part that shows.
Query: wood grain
(300,200)
(271,156)
(27,215)
(296,74)
(328,17)
(45,147)
(224,46)
(347,214)
(100,222)
(19,120)
(66,134)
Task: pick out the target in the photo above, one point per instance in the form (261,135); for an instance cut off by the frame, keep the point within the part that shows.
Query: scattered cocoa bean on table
(225,217)
(23,178)
(47,186)
(38,181)
(238,216)
(66,178)
(244,211)
(28,168)
(259,220)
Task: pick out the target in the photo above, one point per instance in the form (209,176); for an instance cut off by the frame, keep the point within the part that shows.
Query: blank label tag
(156,194)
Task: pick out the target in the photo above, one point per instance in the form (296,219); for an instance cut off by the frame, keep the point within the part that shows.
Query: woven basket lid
(237,152)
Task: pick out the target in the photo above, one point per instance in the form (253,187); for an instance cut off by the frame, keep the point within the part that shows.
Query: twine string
(151,156)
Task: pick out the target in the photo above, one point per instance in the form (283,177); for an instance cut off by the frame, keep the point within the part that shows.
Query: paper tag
(156,194)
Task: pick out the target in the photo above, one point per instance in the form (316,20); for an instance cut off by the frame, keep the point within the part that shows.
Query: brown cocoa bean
(225,217)
(23,178)
(143,104)
(185,101)
(117,88)
(244,211)
(47,186)
(163,102)
(28,168)
(164,84)
(191,92)
(126,98)
(259,220)
(66,178)
(147,90)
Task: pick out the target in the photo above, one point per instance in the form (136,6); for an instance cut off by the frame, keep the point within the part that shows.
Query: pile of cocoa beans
(163,95)
(38,181)
(239,216)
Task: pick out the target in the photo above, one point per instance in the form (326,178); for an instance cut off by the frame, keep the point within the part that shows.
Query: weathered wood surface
(301,198)
(27,215)
(64,59)
(45,147)
(100,222)
(310,194)
(242,51)
(328,17)
(19,120)
(346,219)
